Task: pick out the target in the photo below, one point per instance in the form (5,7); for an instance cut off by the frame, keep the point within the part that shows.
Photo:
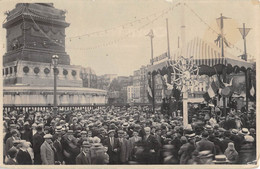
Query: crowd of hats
(117,120)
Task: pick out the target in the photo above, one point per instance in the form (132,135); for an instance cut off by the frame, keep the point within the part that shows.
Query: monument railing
(8,108)
(48,107)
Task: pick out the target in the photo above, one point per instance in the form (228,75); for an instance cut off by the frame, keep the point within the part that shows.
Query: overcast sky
(132,47)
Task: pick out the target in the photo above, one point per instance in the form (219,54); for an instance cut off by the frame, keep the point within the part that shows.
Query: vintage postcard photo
(129,82)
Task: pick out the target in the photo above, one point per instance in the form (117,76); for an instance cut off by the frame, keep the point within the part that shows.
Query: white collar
(23,149)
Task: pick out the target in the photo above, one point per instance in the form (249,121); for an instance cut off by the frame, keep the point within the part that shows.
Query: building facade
(89,77)
(104,81)
(133,94)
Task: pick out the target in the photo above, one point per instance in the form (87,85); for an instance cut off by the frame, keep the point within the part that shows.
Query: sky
(126,48)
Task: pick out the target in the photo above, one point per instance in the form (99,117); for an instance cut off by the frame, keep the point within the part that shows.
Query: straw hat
(47,136)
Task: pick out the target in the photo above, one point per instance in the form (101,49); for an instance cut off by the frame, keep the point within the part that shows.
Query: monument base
(43,96)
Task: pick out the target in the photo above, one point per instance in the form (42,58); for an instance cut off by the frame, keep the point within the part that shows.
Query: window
(15,69)
(11,70)
(6,71)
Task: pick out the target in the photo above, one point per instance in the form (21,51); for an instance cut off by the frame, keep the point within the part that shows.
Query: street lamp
(55,59)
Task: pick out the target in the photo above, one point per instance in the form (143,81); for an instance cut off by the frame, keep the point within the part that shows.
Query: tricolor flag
(252,91)
(211,92)
(149,90)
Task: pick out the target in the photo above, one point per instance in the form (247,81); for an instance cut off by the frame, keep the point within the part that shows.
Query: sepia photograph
(129,82)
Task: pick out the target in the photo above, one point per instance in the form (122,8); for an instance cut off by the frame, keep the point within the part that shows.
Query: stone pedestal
(43,96)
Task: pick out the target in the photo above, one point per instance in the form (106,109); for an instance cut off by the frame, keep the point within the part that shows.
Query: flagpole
(244,37)
(222,54)
(168,41)
(244,31)
(222,35)
(247,86)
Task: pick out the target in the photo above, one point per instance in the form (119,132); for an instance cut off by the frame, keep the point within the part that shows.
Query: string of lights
(213,30)
(122,26)
(128,34)
(165,11)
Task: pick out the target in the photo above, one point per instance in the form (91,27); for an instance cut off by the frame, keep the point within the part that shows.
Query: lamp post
(55,59)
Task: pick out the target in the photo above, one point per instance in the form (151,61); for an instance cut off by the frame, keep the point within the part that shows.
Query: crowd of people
(127,135)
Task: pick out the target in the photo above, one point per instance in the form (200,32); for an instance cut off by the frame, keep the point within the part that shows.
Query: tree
(115,86)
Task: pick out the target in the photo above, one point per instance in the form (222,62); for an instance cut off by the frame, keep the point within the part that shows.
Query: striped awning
(205,54)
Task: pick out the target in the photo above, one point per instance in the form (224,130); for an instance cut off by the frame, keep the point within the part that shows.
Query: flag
(220,83)
(214,87)
(252,91)
(206,97)
(163,93)
(218,40)
(241,30)
(210,92)
(149,90)
(163,79)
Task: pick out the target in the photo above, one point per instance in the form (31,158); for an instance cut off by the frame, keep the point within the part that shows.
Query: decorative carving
(46,71)
(26,69)
(36,70)
(65,72)
(74,73)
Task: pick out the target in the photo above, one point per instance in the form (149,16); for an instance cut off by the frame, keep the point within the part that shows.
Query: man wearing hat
(151,147)
(113,145)
(123,147)
(83,136)
(37,142)
(58,146)
(23,156)
(186,149)
(11,155)
(84,156)
(132,142)
(27,134)
(247,151)
(102,134)
(205,145)
(47,150)
(226,140)
(70,148)
(10,140)
(9,134)
(236,139)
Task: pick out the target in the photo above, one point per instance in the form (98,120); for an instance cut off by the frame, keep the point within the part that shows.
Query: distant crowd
(133,135)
